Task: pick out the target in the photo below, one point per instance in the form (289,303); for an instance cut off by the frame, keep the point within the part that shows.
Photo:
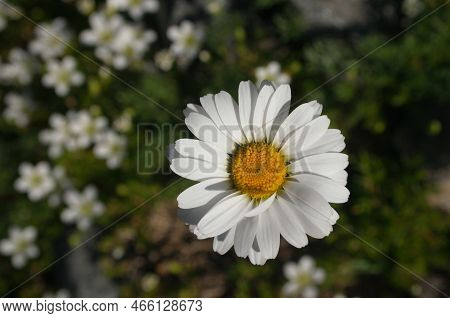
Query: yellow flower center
(258,169)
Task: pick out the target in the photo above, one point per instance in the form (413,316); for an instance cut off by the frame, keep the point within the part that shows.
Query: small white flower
(303,278)
(59,136)
(412,8)
(102,32)
(20,245)
(130,44)
(5,13)
(82,207)
(87,128)
(186,40)
(60,293)
(164,60)
(136,8)
(19,69)
(18,109)
(50,39)
(214,6)
(111,146)
(263,173)
(272,72)
(123,123)
(62,75)
(37,181)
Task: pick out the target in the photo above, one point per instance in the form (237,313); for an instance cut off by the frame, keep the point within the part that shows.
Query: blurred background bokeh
(70,147)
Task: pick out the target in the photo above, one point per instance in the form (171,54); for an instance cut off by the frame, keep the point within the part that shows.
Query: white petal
(192,108)
(224,215)
(268,235)
(262,103)
(331,190)
(223,242)
(290,270)
(197,149)
(197,170)
(210,107)
(289,224)
(305,137)
(331,141)
(256,257)
(324,164)
(248,93)
(278,109)
(229,114)
(203,192)
(302,115)
(245,235)
(18,260)
(340,177)
(262,206)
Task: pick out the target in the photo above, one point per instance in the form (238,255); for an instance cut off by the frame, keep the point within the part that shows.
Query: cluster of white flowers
(18,109)
(82,207)
(135,8)
(80,130)
(186,41)
(6,13)
(272,72)
(61,75)
(117,42)
(50,39)
(41,180)
(303,278)
(19,69)
(20,245)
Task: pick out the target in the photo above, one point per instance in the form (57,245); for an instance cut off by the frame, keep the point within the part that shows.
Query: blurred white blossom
(18,109)
(87,128)
(50,39)
(19,69)
(303,278)
(62,75)
(82,207)
(20,245)
(186,40)
(60,293)
(272,72)
(214,6)
(6,13)
(124,122)
(412,8)
(135,8)
(111,147)
(164,59)
(37,181)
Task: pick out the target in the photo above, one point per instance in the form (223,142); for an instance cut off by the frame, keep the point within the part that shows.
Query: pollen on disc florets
(257,169)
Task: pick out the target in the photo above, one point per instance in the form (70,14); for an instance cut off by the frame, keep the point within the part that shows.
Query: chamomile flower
(303,278)
(18,109)
(262,172)
(111,147)
(272,72)
(136,8)
(50,39)
(82,207)
(19,69)
(62,75)
(130,44)
(86,128)
(20,245)
(186,40)
(37,181)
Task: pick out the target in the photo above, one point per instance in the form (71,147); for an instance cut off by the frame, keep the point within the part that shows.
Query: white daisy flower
(272,72)
(130,44)
(111,147)
(19,69)
(49,40)
(186,39)
(87,128)
(136,8)
(82,207)
(303,278)
(37,181)
(102,34)
(62,75)
(20,245)
(262,172)
(18,109)
(60,135)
